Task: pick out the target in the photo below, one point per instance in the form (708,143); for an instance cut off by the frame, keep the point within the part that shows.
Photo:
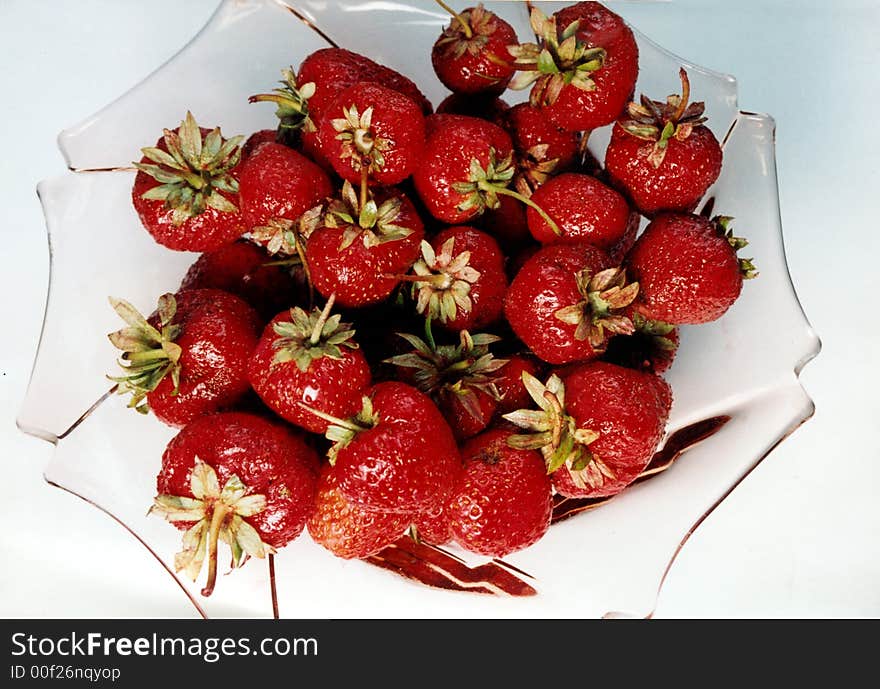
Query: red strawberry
(565,302)
(651,347)
(542,148)
(584,210)
(345,528)
(502,500)
(333,69)
(190,357)
(257,139)
(585,65)
(509,383)
(459,378)
(470,56)
(244,269)
(662,155)
(236,478)
(186,189)
(621,248)
(688,269)
(507,224)
(433,525)
(460,280)
(309,358)
(362,245)
(278,186)
(397,455)
(371,133)
(598,426)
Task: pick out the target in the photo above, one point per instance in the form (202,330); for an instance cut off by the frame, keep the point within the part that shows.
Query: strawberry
(662,155)
(688,268)
(245,270)
(460,280)
(471,56)
(509,384)
(651,347)
(597,426)
(362,244)
(347,529)
(372,133)
(507,224)
(502,499)
(541,148)
(257,139)
(397,455)
(189,357)
(186,189)
(584,210)
(309,358)
(277,187)
(583,68)
(333,69)
(468,164)
(566,301)
(459,378)
(236,478)
(432,525)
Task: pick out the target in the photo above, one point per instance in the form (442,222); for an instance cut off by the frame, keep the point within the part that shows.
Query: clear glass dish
(735,381)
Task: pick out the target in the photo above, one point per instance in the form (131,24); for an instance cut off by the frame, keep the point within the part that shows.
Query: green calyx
(453,370)
(284,237)
(660,123)
(605,295)
(148,353)
(556,434)
(219,515)
(657,331)
(362,217)
(484,184)
(534,168)
(343,431)
(307,337)
(359,141)
(293,108)
(557,60)
(746,266)
(442,282)
(468,32)
(193,171)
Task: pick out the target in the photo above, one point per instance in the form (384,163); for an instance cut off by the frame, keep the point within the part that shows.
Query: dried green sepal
(746,266)
(293,109)
(442,282)
(307,337)
(468,32)
(482,186)
(605,296)
(359,141)
(148,354)
(193,171)
(373,223)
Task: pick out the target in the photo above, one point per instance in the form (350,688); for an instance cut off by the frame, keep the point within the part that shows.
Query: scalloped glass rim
(761,392)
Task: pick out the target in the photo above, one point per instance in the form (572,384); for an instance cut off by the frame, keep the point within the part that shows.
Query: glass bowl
(735,381)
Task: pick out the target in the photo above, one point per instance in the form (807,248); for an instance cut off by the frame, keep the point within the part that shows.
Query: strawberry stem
(221,511)
(464,25)
(364,195)
(487,186)
(685,95)
(349,425)
(322,320)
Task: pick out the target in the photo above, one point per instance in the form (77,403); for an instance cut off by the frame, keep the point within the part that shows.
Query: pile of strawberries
(429,322)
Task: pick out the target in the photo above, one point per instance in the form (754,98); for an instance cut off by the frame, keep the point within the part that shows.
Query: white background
(800,537)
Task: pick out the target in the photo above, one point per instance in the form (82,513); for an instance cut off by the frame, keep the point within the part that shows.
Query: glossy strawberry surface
(406,460)
(487,291)
(687,270)
(453,142)
(330,385)
(583,208)
(509,382)
(334,69)
(396,129)
(544,285)
(241,268)
(628,409)
(346,529)
(502,499)
(268,458)
(276,182)
(360,272)
(690,166)
(467,421)
(535,135)
(207,230)
(579,110)
(218,333)
(479,63)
